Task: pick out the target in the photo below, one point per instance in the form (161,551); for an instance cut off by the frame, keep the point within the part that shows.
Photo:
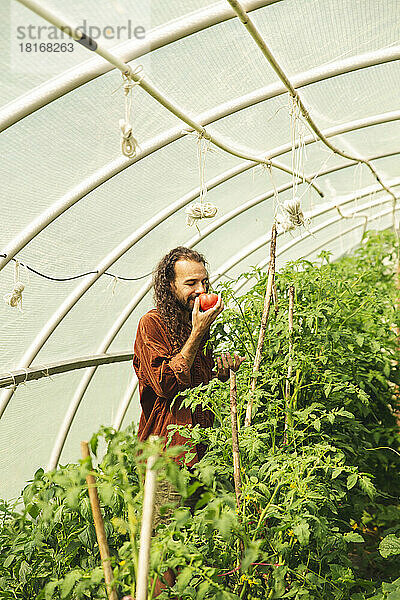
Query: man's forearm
(191,347)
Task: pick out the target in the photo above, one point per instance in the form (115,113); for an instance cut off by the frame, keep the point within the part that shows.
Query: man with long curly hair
(169,357)
(168,352)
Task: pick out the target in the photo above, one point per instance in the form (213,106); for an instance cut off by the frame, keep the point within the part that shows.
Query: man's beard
(184,307)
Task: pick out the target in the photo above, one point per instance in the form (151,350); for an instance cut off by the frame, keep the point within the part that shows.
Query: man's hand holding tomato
(202,320)
(212,305)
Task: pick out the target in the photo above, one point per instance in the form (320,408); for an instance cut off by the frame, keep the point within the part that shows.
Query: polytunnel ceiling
(212,115)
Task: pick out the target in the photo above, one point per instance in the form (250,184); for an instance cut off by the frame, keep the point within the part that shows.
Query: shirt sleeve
(165,373)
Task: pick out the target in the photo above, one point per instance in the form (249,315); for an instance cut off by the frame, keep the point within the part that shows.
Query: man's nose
(200,289)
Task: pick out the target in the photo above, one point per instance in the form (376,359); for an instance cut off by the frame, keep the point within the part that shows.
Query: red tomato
(208,301)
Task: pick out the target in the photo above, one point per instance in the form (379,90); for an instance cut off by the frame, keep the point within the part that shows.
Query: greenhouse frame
(265,135)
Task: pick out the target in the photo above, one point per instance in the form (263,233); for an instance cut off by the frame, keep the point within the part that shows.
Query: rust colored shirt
(162,374)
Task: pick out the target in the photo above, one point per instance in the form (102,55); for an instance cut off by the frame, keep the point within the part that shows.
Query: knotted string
(129,144)
(14,298)
(200,210)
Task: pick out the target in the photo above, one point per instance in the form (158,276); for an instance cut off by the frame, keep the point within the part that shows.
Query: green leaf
(24,570)
(68,583)
(345,413)
(50,589)
(389,546)
(367,486)
(8,560)
(302,532)
(33,510)
(94,441)
(386,369)
(97,576)
(88,536)
(336,472)
(352,536)
(120,525)
(202,590)
(84,508)
(317,424)
(360,339)
(352,480)
(331,418)
(106,492)
(250,556)
(183,579)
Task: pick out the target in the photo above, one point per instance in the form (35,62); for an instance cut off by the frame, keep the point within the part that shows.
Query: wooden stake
(235,437)
(99,527)
(146,529)
(263,325)
(290,358)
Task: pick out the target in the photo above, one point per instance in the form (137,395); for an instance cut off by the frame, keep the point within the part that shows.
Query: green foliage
(316,501)
(390,545)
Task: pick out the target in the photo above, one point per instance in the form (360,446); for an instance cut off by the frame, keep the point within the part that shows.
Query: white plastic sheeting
(59,113)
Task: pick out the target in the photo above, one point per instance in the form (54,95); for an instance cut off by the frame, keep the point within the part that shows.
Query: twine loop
(200,210)
(129,144)
(14,298)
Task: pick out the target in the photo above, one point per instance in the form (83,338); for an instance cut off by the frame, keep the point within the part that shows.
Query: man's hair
(166,302)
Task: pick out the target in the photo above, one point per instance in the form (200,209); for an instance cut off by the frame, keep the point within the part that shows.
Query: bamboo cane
(263,325)
(290,357)
(99,527)
(146,529)
(235,437)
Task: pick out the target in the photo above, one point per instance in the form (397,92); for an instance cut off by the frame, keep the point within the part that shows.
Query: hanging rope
(114,287)
(129,144)
(201,210)
(14,298)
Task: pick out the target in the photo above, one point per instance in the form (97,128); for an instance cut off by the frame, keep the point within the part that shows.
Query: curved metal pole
(125,403)
(156,38)
(118,165)
(110,336)
(61,366)
(175,109)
